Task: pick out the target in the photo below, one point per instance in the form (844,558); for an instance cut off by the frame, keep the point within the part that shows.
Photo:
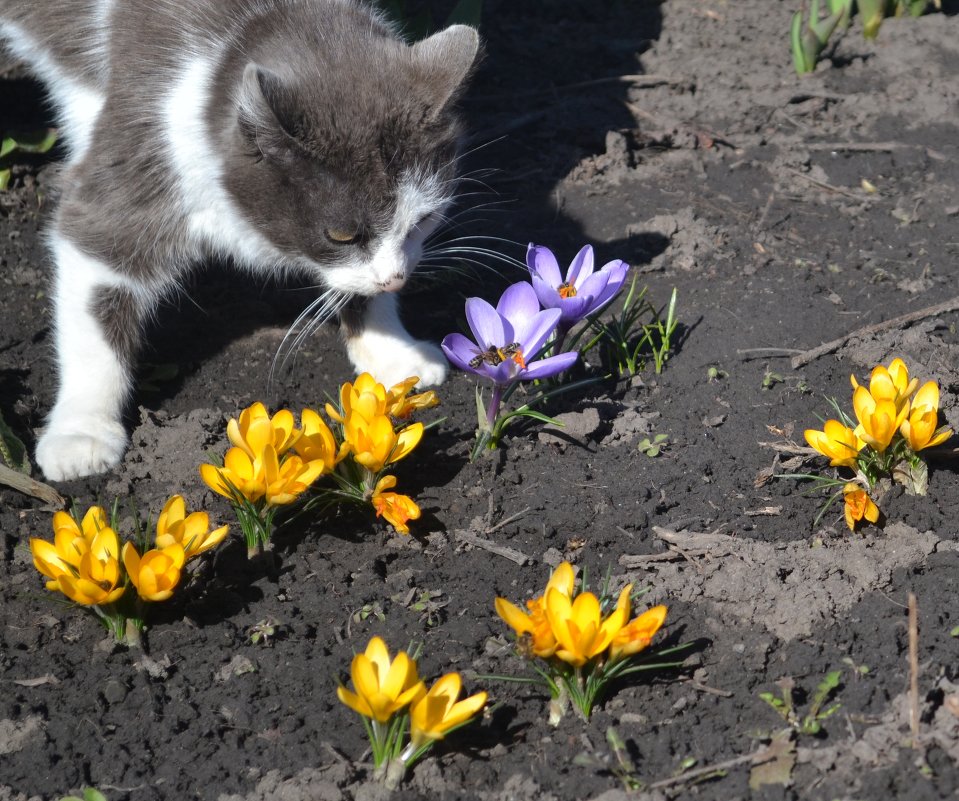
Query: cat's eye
(343,236)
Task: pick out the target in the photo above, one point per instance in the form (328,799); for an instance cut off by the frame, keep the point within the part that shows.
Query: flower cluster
(389,693)
(86,563)
(510,340)
(272,463)
(581,645)
(895,420)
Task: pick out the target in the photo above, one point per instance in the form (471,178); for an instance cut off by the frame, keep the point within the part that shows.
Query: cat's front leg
(96,328)
(377,343)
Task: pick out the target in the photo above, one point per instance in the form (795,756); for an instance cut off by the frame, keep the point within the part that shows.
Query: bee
(493,355)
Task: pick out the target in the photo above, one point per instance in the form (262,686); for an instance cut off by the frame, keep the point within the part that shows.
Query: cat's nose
(393,284)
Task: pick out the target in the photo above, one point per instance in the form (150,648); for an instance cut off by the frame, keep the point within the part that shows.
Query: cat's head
(344,149)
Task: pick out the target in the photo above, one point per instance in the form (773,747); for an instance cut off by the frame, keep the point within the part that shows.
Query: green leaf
(7,146)
(4,179)
(12,449)
(543,418)
(35,141)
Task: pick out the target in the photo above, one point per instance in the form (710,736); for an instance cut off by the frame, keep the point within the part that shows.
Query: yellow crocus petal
(407,439)
(858,506)
(899,374)
(131,561)
(919,428)
(612,625)
(317,442)
(878,419)
(433,715)
(513,616)
(46,559)
(355,702)
(213,477)
(837,442)
(563,579)
(638,633)
(93,521)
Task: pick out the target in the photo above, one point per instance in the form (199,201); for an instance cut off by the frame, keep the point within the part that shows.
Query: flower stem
(492,411)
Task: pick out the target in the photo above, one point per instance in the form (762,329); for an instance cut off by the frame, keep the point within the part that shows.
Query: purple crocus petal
(459,350)
(548,296)
(502,373)
(616,270)
(537,331)
(544,368)
(581,267)
(485,323)
(541,261)
(592,288)
(575,309)
(518,304)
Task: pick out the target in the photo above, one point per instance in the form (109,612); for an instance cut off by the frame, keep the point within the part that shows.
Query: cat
(285,135)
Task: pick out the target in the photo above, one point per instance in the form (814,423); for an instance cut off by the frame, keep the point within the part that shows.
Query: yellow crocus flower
(395,508)
(156,573)
(375,444)
(858,506)
(365,396)
(98,577)
(578,626)
(400,404)
(890,383)
(264,476)
(191,532)
(837,442)
(878,419)
(317,442)
(438,711)
(919,428)
(637,634)
(70,543)
(533,628)
(383,686)
(255,429)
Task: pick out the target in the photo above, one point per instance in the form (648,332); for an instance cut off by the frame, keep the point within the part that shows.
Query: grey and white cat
(299,135)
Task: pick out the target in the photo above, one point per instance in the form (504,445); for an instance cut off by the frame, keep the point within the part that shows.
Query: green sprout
(627,339)
(811,722)
(89,794)
(809,40)
(27,142)
(809,37)
(655,446)
(264,631)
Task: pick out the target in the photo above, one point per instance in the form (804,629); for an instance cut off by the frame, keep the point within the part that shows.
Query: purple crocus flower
(506,337)
(582,291)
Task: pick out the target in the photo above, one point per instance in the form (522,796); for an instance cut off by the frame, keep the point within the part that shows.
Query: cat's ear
(267,111)
(446,59)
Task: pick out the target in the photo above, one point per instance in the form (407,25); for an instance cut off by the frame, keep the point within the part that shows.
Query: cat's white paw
(70,453)
(391,365)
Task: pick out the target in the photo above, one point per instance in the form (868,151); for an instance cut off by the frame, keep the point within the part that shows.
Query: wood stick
(28,486)
(914,669)
(508,520)
(488,545)
(896,322)
(764,754)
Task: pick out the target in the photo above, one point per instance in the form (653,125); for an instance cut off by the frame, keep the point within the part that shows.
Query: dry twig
(488,545)
(29,486)
(764,754)
(896,322)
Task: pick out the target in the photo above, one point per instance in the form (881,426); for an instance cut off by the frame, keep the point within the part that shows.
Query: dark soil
(717,172)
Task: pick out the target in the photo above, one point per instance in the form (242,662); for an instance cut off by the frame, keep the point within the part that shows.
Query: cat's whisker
(318,311)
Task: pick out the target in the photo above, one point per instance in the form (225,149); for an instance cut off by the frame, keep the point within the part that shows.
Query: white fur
(77,104)
(213,218)
(83,434)
(389,353)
